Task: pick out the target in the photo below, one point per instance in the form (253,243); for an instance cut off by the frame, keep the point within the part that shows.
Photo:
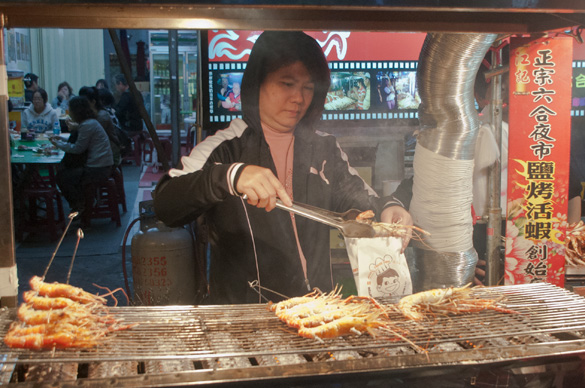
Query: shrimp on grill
(288,303)
(46,303)
(344,326)
(56,290)
(48,336)
(336,312)
(76,315)
(321,316)
(303,304)
(56,315)
(452,300)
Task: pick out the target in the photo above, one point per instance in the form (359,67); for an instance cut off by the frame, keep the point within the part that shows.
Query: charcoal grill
(189,345)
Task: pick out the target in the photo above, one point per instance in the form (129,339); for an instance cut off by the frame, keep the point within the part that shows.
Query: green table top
(30,155)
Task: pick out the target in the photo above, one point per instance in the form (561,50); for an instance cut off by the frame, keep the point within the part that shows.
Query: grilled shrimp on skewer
(411,305)
(60,316)
(47,303)
(384,229)
(288,303)
(344,326)
(452,300)
(55,290)
(49,335)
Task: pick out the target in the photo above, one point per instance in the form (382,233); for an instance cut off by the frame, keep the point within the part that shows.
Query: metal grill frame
(245,342)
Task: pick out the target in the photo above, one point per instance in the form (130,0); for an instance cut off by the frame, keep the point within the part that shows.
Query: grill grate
(177,338)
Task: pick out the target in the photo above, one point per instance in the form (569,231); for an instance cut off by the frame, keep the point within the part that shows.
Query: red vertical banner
(538,159)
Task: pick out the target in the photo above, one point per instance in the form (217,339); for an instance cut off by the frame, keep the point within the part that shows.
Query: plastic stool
(53,220)
(107,202)
(135,155)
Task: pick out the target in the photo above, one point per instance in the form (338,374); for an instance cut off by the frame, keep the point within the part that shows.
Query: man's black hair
(29,79)
(120,79)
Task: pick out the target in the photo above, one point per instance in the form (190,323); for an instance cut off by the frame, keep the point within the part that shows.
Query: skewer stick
(255,285)
(79,237)
(71,217)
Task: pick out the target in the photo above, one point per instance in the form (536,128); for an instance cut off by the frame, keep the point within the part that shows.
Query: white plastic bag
(379,269)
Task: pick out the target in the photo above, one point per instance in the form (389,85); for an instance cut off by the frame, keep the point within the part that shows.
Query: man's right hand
(261,187)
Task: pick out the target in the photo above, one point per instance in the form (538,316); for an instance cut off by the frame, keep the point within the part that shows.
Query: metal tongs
(345,222)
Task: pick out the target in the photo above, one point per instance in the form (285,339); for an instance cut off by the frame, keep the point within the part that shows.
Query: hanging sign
(538,160)
(234,45)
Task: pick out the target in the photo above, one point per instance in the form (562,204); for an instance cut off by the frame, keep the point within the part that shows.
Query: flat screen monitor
(366,83)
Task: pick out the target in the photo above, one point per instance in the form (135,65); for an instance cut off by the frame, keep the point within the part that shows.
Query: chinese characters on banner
(538,159)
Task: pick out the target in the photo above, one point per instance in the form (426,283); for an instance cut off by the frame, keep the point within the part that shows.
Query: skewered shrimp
(23,329)
(411,304)
(385,229)
(56,290)
(327,315)
(77,315)
(47,303)
(317,296)
(339,311)
(47,337)
(455,300)
(288,303)
(315,306)
(57,315)
(344,326)
(365,216)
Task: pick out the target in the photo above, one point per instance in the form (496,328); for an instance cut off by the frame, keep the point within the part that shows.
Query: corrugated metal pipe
(443,159)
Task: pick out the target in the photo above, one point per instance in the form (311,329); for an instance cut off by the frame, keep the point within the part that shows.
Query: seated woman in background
(107,100)
(39,117)
(103,117)
(79,186)
(64,94)
(102,84)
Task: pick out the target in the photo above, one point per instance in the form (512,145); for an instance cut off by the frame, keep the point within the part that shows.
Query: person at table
(64,94)
(102,84)
(31,84)
(79,186)
(235,177)
(103,117)
(107,101)
(39,117)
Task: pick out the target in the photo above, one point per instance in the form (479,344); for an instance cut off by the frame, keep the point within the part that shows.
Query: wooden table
(34,171)
(29,156)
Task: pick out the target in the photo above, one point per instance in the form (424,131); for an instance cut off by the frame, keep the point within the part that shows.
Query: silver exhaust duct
(443,159)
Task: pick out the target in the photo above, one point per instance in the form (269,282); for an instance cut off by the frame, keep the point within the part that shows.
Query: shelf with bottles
(161,70)
(163,86)
(156,78)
